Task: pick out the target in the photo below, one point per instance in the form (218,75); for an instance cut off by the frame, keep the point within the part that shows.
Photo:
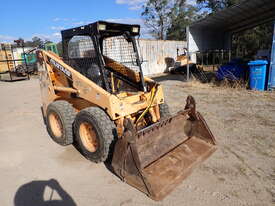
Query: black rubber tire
(66,114)
(164,110)
(105,133)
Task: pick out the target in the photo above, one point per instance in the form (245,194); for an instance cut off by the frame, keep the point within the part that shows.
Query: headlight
(101,27)
(135,29)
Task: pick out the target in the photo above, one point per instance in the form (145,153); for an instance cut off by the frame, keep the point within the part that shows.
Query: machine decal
(61,68)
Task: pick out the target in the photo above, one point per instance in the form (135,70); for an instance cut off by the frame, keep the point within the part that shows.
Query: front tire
(60,116)
(94,132)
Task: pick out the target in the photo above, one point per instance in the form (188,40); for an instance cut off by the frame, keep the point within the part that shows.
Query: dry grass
(237,84)
(226,84)
(198,84)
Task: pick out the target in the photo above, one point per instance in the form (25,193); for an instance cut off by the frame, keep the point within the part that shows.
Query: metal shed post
(271,80)
(188,53)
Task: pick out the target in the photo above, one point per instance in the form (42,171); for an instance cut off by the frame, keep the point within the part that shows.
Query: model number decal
(61,68)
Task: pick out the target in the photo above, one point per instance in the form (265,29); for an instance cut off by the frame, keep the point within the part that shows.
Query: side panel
(55,69)
(46,87)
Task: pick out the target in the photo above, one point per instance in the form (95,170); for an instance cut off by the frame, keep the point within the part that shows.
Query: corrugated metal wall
(201,40)
(158,54)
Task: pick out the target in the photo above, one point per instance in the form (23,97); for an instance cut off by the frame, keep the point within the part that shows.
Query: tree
(157,17)
(168,19)
(47,41)
(247,43)
(36,41)
(182,15)
(59,48)
(217,5)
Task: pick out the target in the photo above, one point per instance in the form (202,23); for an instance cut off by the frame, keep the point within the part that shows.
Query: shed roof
(245,15)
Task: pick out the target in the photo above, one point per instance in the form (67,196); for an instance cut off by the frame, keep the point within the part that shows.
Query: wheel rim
(55,124)
(88,136)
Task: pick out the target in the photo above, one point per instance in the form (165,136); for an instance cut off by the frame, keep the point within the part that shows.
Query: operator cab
(106,53)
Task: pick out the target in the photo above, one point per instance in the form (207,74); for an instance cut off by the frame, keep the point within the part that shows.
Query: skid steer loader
(96,97)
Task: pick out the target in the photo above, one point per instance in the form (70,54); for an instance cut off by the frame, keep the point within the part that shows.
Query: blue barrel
(257,76)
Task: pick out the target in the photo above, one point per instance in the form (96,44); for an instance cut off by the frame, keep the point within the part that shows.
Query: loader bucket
(156,159)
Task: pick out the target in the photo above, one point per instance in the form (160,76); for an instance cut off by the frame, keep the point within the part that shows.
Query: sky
(45,19)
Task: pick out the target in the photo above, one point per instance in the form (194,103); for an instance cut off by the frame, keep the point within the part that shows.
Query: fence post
(7,59)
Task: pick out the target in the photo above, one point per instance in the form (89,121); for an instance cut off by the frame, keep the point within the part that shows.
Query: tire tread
(68,114)
(106,126)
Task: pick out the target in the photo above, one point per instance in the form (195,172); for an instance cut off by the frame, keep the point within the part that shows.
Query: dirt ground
(36,171)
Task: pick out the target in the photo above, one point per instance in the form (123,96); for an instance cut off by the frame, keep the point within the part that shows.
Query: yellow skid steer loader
(97,98)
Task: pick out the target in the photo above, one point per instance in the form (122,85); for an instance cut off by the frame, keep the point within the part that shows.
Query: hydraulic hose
(152,98)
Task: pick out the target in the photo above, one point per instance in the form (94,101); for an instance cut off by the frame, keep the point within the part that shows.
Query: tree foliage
(157,17)
(217,5)
(59,48)
(181,16)
(36,42)
(247,43)
(168,19)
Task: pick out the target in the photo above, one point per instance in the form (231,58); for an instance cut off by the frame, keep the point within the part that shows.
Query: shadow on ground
(42,193)
(177,77)
(201,76)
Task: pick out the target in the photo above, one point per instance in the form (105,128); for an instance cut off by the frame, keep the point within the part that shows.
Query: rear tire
(60,116)
(94,132)
(164,110)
